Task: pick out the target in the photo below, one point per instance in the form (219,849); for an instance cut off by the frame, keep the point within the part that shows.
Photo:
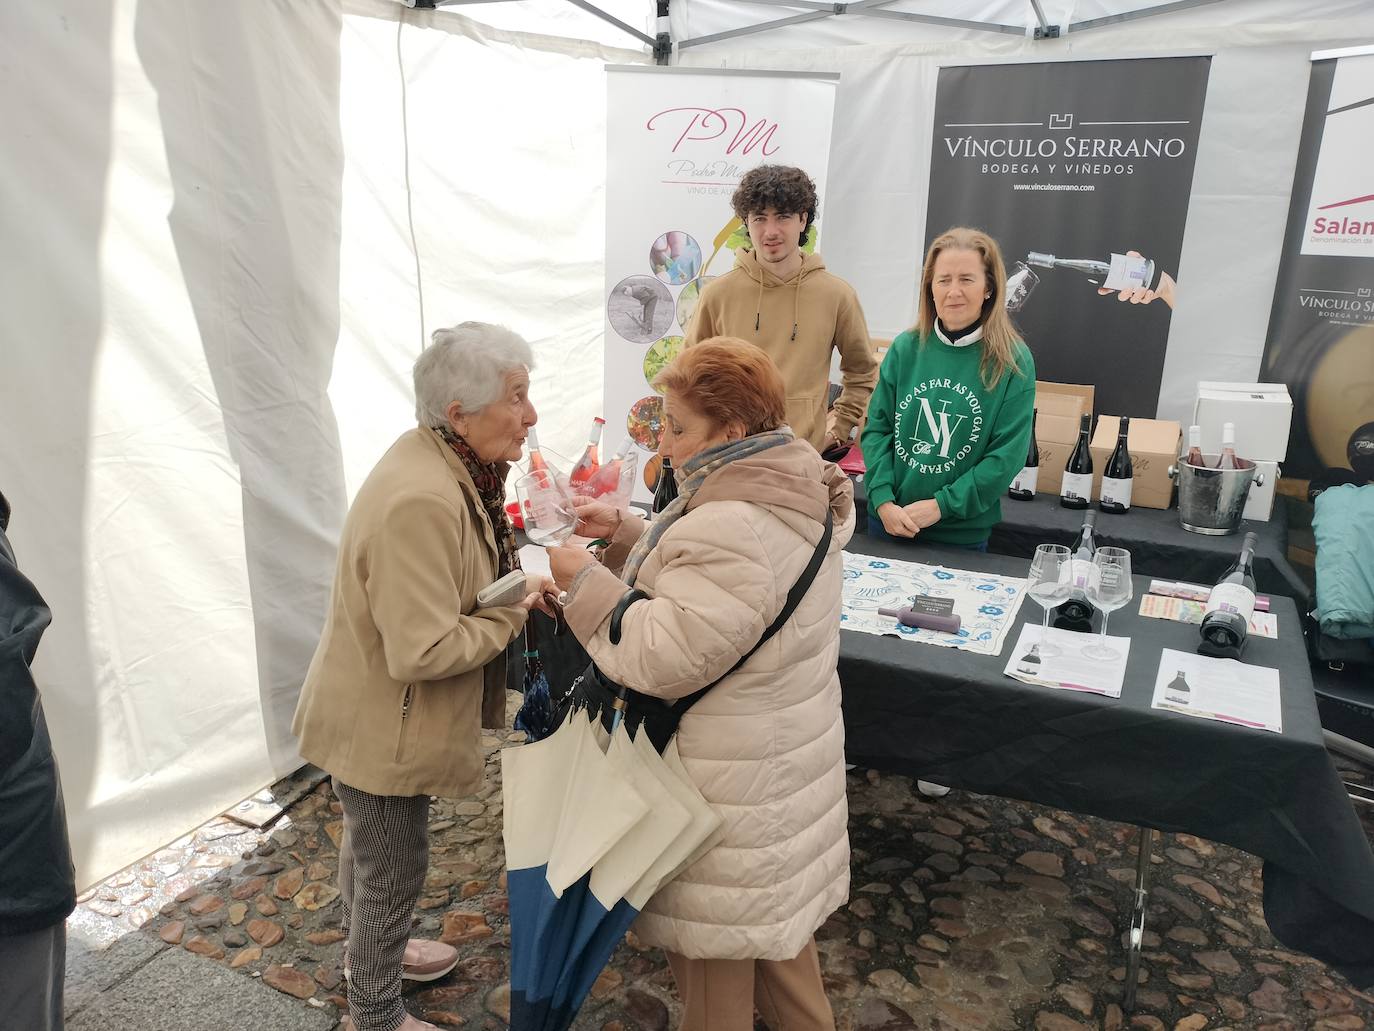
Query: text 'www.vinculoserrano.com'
(1058,187)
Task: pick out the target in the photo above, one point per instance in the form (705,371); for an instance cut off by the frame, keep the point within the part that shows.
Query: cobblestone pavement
(966,912)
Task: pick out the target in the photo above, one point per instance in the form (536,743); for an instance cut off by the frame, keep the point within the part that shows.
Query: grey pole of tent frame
(1135,936)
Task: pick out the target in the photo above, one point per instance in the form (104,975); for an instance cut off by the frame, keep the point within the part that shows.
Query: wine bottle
(1076,490)
(1122,272)
(1030,662)
(1194,456)
(1119,476)
(589,462)
(1178,690)
(666,488)
(1226,617)
(1228,447)
(1077,612)
(606,479)
(537,462)
(1023,487)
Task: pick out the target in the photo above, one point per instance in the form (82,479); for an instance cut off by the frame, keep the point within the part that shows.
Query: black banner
(1082,172)
(1321,328)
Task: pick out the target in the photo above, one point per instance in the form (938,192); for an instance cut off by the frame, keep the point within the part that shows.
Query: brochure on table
(1219,689)
(1069,669)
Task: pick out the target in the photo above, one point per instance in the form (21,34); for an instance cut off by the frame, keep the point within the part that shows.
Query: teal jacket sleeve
(880,474)
(981,486)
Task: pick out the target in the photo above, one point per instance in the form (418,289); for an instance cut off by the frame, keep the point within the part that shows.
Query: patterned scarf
(490,478)
(690,478)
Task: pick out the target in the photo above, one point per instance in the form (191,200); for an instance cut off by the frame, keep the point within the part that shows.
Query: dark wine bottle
(666,488)
(1023,487)
(1076,490)
(1119,476)
(1178,690)
(1077,612)
(1226,618)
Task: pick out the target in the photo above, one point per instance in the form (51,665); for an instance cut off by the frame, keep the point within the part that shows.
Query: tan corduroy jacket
(766,744)
(800,323)
(393,701)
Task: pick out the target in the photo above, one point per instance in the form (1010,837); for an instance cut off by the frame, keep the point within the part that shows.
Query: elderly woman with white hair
(409,669)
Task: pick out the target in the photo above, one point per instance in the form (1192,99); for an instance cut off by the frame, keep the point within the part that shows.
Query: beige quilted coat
(765,746)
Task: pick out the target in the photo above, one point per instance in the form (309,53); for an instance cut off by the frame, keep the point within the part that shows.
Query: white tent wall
(207,254)
(873,222)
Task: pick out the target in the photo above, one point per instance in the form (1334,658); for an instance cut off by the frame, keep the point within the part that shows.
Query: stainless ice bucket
(1212,500)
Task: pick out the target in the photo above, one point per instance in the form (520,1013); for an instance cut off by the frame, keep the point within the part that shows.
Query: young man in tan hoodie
(786,302)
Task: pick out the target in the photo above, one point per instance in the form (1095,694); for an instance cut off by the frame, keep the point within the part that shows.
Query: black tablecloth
(954,718)
(1159,546)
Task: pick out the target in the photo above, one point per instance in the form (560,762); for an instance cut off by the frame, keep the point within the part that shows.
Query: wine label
(1086,574)
(1235,598)
(1129,272)
(926,605)
(1026,479)
(1077,485)
(1117,491)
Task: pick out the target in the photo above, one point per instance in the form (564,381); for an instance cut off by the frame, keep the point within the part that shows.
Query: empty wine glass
(1049,584)
(1108,591)
(546,508)
(1020,282)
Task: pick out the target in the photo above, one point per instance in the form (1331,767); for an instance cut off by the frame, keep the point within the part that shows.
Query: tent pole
(1045,30)
(613,20)
(663,41)
(819,10)
(1149,12)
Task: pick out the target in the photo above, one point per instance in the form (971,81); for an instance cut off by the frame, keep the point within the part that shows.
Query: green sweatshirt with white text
(935,430)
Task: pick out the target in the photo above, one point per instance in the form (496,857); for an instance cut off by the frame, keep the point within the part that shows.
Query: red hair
(728,380)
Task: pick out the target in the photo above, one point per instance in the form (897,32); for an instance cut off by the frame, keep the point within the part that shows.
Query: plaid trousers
(382,865)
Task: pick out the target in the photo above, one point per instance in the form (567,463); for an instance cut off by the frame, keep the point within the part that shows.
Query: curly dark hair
(783,188)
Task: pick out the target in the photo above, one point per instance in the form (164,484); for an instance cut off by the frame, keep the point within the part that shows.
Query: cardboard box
(1058,408)
(1154,446)
(1262,413)
(1260,503)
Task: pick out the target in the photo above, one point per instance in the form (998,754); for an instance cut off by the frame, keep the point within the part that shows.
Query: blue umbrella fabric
(590,836)
(536,716)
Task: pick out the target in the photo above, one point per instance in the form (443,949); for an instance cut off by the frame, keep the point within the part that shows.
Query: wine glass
(546,507)
(1049,584)
(1108,591)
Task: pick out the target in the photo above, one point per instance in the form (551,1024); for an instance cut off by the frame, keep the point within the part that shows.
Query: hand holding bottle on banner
(1141,293)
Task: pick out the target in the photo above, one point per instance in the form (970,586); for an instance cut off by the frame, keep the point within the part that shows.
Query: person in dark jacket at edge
(37,879)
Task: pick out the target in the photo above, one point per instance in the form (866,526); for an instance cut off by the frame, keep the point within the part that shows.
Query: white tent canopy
(227,227)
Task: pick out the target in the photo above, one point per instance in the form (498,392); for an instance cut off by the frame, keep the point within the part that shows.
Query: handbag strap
(794,598)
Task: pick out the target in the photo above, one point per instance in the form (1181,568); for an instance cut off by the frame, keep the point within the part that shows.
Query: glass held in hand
(1050,583)
(1109,591)
(546,507)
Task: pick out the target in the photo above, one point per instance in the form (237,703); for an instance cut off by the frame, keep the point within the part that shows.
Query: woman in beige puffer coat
(766,745)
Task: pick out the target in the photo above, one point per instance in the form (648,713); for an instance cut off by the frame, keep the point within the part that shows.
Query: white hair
(467,363)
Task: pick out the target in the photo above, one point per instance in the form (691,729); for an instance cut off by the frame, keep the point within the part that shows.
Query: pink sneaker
(424,960)
(427,960)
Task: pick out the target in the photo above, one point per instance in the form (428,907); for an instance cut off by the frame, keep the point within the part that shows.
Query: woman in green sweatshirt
(950,420)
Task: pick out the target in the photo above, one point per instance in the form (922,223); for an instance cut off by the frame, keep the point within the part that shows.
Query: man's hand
(923,513)
(896,521)
(566,563)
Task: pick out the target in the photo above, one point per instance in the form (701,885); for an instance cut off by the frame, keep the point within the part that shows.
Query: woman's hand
(566,562)
(896,521)
(923,513)
(542,594)
(595,518)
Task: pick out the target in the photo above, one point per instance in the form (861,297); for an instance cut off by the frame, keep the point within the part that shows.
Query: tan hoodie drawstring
(796,302)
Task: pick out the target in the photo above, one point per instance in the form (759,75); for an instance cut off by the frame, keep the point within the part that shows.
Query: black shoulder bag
(595,693)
